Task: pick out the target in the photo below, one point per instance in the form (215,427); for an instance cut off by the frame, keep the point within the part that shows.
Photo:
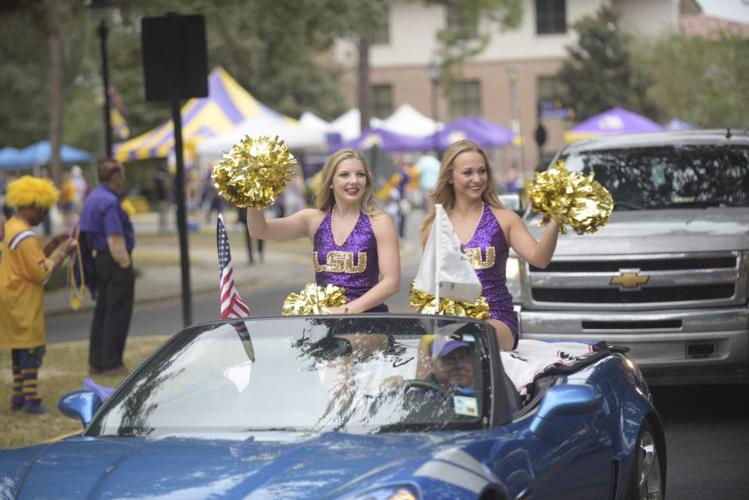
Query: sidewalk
(157,262)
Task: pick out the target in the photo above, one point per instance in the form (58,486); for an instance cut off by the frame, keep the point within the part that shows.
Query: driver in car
(446,363)
(451,364)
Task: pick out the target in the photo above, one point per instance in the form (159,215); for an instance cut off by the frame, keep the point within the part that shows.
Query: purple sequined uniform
(352,265)
(488,251)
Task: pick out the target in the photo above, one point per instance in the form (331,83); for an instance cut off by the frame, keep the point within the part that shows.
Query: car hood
(660,231)
(196,468)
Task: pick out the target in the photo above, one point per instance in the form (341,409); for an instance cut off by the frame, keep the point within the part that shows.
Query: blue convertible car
(366,407)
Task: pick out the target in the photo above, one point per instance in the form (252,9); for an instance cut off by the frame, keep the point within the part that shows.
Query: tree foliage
(25,27)
(465,36)
(600,71)
(699,80)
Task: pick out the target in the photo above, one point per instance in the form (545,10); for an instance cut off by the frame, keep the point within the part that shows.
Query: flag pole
(436,233)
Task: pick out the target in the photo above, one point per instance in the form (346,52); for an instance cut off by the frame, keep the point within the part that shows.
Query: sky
(732,10)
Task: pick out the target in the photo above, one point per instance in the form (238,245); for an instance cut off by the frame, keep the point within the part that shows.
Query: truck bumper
(671,347)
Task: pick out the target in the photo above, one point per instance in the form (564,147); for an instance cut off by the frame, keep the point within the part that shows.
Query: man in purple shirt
(107,235)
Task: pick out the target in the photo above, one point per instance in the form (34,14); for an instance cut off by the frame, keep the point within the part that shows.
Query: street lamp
(434,77)
(102,11)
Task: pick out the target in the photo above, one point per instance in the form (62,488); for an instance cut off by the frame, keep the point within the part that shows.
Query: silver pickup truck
(668,275)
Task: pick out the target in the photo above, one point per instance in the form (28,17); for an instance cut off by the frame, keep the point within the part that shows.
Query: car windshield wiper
(695,204)
(275,429)
(429,427)
(625,205)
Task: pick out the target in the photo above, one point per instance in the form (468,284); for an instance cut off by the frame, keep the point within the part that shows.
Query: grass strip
(64,369)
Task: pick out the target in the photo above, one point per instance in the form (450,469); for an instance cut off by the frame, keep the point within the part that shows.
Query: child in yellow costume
(24,268)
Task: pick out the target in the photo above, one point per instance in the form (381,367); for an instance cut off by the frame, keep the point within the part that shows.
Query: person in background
(294,200)
(24,268)
(67,202)
(110,238)
(80,185)
(242,217)
(161,196)
(487,231)
(5,211)
(429,168)
(366,262)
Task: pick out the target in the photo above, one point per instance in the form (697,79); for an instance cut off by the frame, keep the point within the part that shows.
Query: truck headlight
(512,275)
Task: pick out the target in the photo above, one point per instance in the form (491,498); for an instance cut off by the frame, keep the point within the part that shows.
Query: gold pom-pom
(254,171)
(31,191)
(570,198)
(425,303)
(313,299)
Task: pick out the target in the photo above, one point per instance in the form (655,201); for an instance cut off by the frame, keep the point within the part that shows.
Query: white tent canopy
(404,121)
(295,134)
(407,121)
(311,120)
(348,125)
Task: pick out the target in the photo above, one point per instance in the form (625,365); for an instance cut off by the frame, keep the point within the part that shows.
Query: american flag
(232,305)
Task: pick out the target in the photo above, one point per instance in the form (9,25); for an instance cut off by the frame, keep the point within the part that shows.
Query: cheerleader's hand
(338,310)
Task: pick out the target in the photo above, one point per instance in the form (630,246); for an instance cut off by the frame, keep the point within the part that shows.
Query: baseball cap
(442,346)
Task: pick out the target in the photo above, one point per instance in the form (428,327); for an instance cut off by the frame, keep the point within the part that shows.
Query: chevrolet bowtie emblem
(629,279)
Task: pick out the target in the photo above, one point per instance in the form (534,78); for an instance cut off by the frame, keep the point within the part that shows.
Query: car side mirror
(565,400)
(82,405)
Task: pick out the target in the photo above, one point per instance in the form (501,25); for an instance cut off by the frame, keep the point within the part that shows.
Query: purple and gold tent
(227,105)
(614,121)
(384,140)
(486,134)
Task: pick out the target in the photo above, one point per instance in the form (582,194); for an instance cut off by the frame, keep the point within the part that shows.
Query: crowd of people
(354,241)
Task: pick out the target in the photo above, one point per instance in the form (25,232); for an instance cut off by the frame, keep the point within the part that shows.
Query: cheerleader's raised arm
(355,246)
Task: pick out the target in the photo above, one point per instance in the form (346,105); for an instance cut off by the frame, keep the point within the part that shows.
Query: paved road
(165,317)
(707,428)
(707,434)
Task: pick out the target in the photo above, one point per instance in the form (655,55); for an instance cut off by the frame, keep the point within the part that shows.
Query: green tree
(700,80)
(39,60)
(464,37)
(600,72)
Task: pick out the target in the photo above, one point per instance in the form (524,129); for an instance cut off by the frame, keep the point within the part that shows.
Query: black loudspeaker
(174,57)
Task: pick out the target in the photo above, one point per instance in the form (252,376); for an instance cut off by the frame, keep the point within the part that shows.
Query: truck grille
(644,281)
(641,264)
(646,295)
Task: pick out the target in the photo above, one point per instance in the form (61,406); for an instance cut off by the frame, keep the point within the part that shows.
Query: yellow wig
(31,191)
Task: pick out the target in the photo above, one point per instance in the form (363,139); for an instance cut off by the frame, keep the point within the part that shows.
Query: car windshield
(315,374)
(694,176)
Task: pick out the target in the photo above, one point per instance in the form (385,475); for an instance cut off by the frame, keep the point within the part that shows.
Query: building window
(458,19)
(382,100)
(381,32)
(465,98)
(551,17)
(549,99)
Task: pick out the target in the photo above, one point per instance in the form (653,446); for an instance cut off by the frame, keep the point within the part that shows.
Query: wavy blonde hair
(324,197)
(31,191)
(444,193)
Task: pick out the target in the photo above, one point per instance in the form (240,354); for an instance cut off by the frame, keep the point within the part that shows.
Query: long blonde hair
(324,197)
(444,193)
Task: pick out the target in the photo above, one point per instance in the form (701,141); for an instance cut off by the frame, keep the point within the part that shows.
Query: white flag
(445,264)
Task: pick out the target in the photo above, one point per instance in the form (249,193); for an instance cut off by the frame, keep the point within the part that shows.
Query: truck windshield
(669,176)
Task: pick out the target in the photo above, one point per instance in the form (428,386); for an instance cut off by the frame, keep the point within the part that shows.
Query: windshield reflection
(306,375)
(694,176)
